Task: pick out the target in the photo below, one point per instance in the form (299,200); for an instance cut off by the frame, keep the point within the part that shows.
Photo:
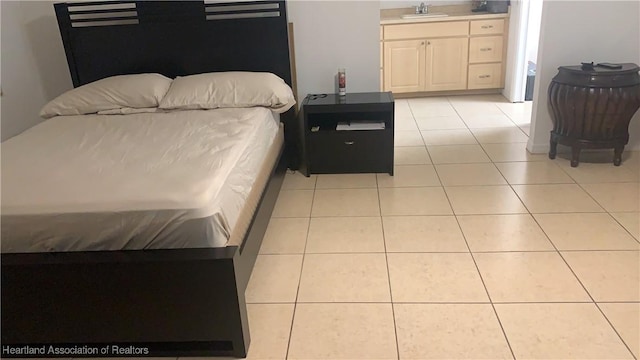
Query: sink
(420,16)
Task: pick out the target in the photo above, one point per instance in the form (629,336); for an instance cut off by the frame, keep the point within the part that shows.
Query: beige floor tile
(449,331)
(478,121)
(293,203)
(407,138)
(517,110)
(297,181)
(631,160)
(517,232)
(345,235)
(457,154)
(512,152)
(479,110)
(344,278)
(404,122)
(343,331)
(448,137)
(625,318)
(401,103)
(616,197)
(533,172)
(346,181)
(285,236)
(500,135)
(477,99)
(430,277)
(423,234)
(586,232)
(478,200)
(411,155)
(346,202)
(520,119)
(409,176)
(587,173)
(431,109)
(440,123)
(607,275)
(559,331)
(428,100)
(469,174)
(414,201)
(269,326)
(526,128)
(630,221)
(529,277)
(274,279)
(556,198)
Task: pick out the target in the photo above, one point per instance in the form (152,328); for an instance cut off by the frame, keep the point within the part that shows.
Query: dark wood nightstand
(347,134)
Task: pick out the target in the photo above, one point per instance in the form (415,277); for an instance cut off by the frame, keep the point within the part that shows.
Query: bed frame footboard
(159,302)
(176,302)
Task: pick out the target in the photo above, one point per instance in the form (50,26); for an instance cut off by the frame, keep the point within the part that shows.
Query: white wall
(336,34)
(34,68)
(533,30)
(573,32)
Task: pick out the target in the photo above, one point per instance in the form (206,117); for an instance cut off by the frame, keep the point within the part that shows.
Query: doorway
(524,35)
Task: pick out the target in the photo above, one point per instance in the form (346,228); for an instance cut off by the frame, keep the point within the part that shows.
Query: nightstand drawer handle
(485,49)
(484,76)
(487,26)
(349,142)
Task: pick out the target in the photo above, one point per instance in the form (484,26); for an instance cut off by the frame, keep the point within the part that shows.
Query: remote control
(610,66)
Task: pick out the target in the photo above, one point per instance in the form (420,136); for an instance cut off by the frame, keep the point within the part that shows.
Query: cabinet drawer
(485,76)
(351,151)
(485,49)
(487,27)
(426,30)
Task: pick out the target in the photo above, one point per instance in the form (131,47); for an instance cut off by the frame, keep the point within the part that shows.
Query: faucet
(422,8)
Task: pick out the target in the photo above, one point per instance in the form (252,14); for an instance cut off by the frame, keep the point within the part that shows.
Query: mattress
(141,181)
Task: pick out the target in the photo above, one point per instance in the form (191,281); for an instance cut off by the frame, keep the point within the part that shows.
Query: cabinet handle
(349,142)
(487,26)
(485,49)
(484,76)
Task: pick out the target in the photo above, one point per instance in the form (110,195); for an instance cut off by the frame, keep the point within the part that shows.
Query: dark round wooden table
(592,108)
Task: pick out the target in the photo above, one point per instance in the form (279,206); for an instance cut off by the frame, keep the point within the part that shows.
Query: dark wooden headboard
(176,38)
(173,38)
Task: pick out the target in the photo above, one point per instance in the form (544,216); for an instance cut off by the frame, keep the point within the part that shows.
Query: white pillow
(122,91)
(229,89)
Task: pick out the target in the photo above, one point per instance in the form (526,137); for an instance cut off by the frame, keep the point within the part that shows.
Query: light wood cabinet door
(404,66)
(446,64)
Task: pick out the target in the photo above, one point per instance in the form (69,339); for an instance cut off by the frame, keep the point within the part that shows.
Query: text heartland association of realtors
(74,350)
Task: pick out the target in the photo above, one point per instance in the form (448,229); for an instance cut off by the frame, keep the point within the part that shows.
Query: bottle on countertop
(342,82)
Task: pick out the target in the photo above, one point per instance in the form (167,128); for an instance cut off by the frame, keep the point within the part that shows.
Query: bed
(181,293)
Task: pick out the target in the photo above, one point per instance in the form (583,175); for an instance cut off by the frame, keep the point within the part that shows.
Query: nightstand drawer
(351,151)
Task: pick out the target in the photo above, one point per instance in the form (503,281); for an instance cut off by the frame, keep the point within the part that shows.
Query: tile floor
(475,249)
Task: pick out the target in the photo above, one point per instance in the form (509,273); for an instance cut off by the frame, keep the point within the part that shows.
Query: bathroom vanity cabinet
(461,51)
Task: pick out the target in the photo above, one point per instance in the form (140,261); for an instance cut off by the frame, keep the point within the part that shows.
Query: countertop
(454,12)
